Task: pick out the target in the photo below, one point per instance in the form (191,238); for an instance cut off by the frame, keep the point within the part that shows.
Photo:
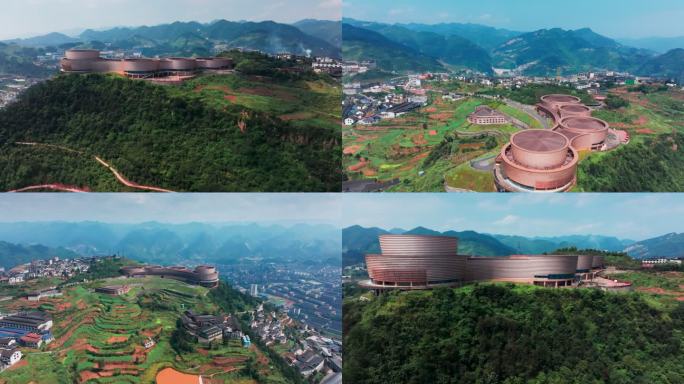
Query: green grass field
(305,103)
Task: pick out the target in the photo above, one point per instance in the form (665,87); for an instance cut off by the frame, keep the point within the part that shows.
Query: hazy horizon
(613,18)
(40,17)
(626,216)
(206,208)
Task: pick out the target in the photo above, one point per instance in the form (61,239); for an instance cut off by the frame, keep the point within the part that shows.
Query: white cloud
(508,220)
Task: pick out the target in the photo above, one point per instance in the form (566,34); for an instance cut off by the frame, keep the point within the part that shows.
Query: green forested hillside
(12,255)
(450,49)
(545,51)
(160,136)
(655,165)
(670,64)
(364,44)
(16,60)
(512,335)
(327,30)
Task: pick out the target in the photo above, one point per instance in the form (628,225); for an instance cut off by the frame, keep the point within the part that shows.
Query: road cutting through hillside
(67,188)
(54,187)
(127,182)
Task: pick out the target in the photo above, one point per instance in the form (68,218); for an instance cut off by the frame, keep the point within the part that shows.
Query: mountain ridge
(358,241)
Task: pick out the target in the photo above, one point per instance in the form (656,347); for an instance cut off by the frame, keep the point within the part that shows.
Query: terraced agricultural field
(99,338)
(312,103)
(400,148)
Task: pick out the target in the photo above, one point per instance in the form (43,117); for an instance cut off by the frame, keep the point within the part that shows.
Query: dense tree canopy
(171,141)
(504,334)
(657,165)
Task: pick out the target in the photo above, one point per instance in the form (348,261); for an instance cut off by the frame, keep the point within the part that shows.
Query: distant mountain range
(15,254)
(329,31)
(430,48)
(358,241)
(670,64)
(670,245)
(193,38)
(416,47)
(486,37)
(182,243)
(54,39)
(364,44)
(656,44)
(15,59)
(545,51)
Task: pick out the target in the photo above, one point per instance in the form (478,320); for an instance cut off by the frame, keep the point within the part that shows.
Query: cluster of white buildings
(312,353)
(327,65)
(270,326)
(52,267)
(353,67)
(369,104)
(650,263)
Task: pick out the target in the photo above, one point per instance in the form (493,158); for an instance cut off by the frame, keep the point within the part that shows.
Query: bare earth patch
(117,339)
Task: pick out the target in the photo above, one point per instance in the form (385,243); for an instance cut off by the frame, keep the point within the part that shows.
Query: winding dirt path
(54,187)
(68,188)
(127,182)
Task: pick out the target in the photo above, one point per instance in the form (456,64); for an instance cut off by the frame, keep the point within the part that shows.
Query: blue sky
(614,18)
(172,208)
(627,216)
(23,18)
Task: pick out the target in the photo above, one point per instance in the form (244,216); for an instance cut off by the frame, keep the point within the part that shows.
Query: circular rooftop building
(585,132)
(415,262)
(560,99)
(82,54)
(597,262)
(537,159)
(574,110)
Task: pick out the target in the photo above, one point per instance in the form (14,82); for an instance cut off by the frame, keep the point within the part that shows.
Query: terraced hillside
(99,338)
(433,148)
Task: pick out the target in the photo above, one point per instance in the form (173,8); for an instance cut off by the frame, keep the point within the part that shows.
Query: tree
(616,102)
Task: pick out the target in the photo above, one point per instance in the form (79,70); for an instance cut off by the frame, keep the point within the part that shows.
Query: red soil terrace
(171,376)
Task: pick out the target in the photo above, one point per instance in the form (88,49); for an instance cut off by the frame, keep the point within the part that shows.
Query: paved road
(530,110)
(486,164)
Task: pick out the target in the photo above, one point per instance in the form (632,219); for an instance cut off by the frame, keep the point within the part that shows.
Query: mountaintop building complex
(546,160)
(415,262)
(204,275)
(179,68)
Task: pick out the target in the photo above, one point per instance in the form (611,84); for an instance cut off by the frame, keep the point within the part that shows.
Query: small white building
(9,357)
(148,343)
(349,121)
